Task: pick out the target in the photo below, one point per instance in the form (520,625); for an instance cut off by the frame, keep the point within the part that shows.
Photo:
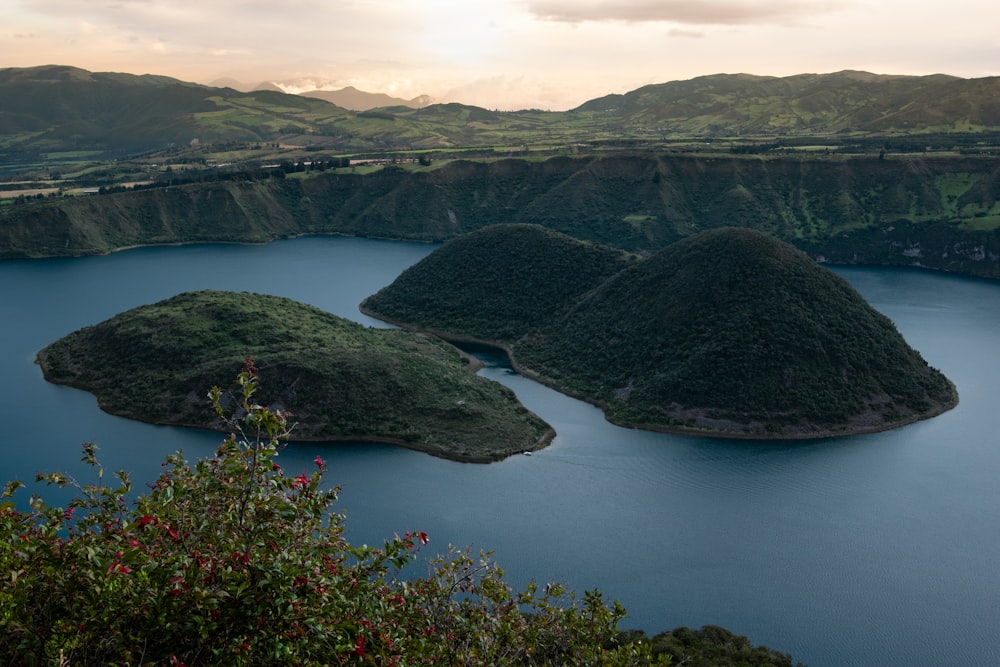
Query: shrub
(230,561)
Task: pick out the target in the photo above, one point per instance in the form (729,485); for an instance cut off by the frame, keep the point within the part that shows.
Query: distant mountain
(53,109)
(358,100)
(842,102)
(229,82)
(726,332)
(236,84)
(267,85)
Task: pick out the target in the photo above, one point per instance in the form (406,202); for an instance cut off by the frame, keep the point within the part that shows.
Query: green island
(339,379)
(729,332)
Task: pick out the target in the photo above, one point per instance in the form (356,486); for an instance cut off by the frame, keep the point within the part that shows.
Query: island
(729,332)
(339,380)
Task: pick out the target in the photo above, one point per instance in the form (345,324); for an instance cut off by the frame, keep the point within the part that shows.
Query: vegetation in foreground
(231,561)
(341,380)
(728,332)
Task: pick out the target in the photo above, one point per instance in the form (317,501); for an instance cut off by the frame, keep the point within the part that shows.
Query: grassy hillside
(728,331)
(941,213)
(340,380)
(56,108)
(847,102)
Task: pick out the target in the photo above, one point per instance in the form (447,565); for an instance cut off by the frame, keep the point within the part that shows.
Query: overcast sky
(504,54)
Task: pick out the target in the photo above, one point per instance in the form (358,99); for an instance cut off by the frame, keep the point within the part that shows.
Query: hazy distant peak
(228,82)
(359,100)
(267,85)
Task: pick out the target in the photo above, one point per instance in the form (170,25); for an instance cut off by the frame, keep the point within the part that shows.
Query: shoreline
(671,430)
(100,252)
(442,452)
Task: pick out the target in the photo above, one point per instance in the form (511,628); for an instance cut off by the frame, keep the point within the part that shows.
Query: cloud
(497,93)
(695,12)
(680,32)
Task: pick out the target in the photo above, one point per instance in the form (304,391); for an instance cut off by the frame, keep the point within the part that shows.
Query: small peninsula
(729,332)
(340,381)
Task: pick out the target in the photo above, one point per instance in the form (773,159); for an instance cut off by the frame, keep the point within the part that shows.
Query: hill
(818,104)
(340,380)
(526,276)
(57,108)
(728,332)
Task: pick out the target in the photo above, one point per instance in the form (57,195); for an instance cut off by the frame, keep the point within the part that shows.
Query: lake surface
(881,549)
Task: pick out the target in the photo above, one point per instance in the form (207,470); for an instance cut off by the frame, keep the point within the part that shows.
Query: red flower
(422,536)
(318,461)
(301,481)
(118,567)
(145,520)
(359,648)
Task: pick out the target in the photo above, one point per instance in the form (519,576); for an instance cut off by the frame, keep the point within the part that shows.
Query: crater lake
(874,549)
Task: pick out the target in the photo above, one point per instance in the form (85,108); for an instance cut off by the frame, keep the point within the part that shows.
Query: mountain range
(59,108)
(347,97)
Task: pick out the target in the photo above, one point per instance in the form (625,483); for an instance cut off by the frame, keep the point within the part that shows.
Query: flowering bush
(229,561)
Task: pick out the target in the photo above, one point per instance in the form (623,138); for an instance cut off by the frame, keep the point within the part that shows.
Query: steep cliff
(936,212)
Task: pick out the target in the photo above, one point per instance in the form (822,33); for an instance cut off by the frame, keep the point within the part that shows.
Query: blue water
(881,549)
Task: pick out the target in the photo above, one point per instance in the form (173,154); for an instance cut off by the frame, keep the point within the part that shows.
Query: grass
(984,223)
(952,186)
(72,156)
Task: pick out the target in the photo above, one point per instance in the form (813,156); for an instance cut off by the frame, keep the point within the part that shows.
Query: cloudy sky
(505,54)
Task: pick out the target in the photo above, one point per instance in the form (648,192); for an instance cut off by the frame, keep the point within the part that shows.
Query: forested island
(338,379)
(728,332)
